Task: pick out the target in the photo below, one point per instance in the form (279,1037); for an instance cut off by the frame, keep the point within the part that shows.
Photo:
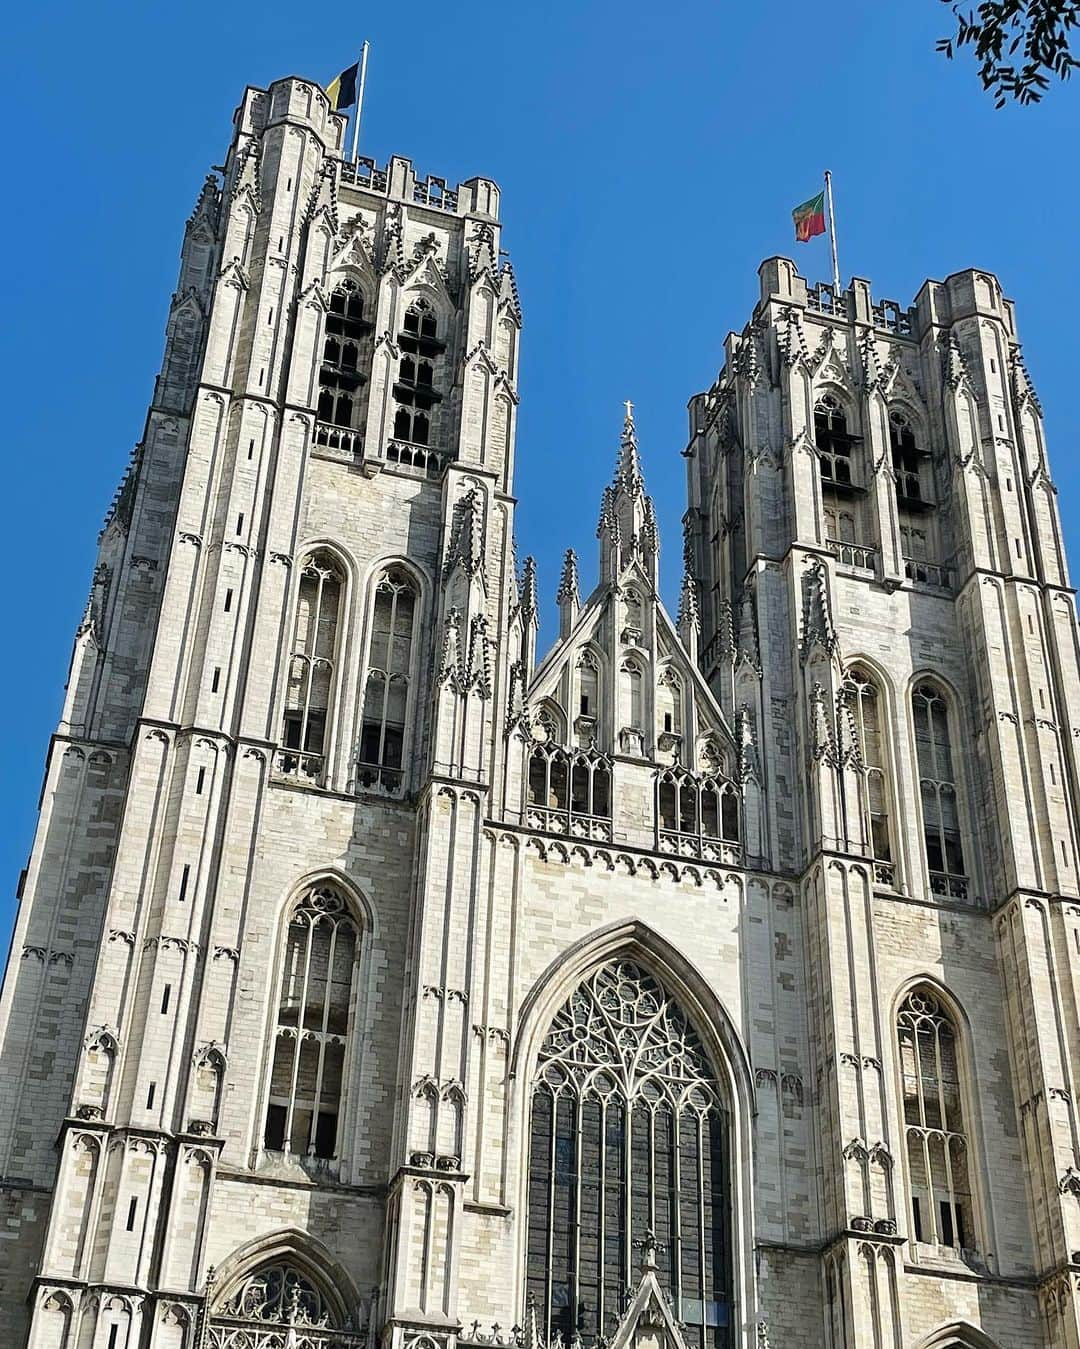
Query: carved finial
(649,1248)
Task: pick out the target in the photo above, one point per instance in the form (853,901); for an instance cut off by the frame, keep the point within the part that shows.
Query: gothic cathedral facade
(705,983)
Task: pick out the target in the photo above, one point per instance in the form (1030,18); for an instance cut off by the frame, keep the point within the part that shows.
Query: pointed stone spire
(689,616)
(206,208)
(627,528)
(569,593)
(628,472)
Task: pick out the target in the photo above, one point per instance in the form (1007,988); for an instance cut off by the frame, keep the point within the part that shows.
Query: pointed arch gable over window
(316,994)
(311,680)
(389,694)
(629,1133)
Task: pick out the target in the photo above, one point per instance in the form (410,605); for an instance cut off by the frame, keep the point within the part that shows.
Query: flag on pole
(809,218)
(342,91)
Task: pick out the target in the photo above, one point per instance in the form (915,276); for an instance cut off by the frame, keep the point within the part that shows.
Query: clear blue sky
(649,157)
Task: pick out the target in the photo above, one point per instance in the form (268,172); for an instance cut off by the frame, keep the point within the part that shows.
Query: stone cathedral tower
(705,984)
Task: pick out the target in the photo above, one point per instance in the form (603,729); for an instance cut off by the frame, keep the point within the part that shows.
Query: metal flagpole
(832,232)
(359,101)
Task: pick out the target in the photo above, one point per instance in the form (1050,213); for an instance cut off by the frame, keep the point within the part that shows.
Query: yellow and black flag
(342,91)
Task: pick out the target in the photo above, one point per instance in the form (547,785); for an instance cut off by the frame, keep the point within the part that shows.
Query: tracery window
(628,1135)
(835,444)
(937,1143)
(908,460)
(416,388)
(938,793)
(312,1027)
(860,697)
(312,663)
(697,816)
(569,792)
(275,1306)
(388,695)
(342,374)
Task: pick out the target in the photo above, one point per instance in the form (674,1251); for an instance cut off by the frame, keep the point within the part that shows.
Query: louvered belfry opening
(629,1135)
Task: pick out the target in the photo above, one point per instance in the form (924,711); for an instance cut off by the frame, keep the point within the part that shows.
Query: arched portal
(285,1298)
(629,1136)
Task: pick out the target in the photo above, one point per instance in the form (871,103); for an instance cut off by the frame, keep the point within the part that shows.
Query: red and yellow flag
(809,218)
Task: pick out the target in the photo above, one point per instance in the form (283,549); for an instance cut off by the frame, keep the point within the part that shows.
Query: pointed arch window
(698,816)
(938,793)
(628,1134)
(910,463)
(418,386)
(569,792)
(588,717)
(281,1304)
(937,1141)
(315,998)
(861,698)
(343,372)
(388,692)
(311,680)
(835,444)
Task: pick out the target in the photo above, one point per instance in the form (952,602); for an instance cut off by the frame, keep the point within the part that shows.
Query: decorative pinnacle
(530,604)
(569,591)
(955,369)
(689,614)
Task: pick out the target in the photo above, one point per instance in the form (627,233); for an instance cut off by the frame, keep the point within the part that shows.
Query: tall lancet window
(937,1142)
(388,696)
(343,372)
(628,1135)
(314,1002)
(304,732)
(862,700)
(937,788)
